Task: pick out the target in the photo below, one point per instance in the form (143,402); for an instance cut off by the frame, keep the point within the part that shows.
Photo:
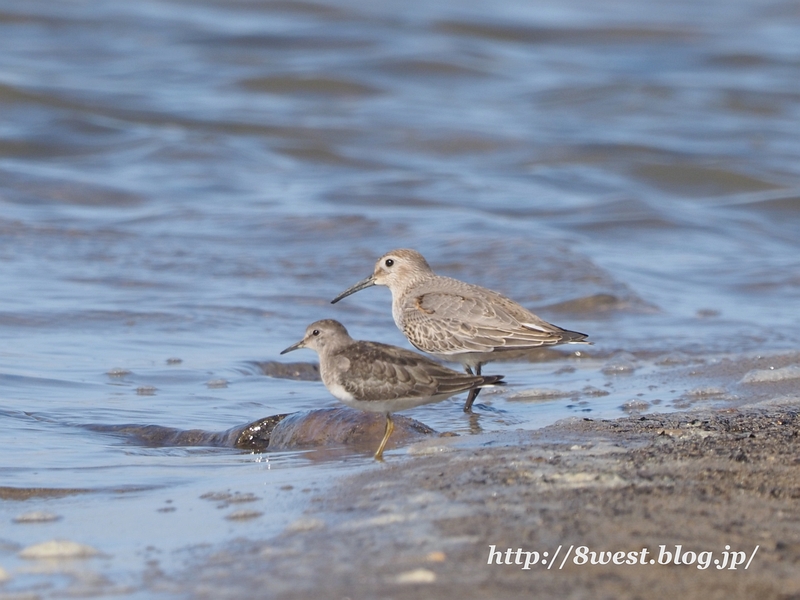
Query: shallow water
(184,186)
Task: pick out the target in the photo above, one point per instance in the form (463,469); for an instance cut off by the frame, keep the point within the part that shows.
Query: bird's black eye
(389,262)
(315,332)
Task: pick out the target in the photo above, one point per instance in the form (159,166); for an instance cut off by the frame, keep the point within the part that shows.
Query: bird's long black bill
(296,346)
(364,283)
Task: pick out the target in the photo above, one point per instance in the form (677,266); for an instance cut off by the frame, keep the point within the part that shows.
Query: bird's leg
(386,434)
(473,393)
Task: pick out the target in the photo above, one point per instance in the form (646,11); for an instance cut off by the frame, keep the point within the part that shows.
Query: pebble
(305,524)
(706,392)
(58,549)
(427,449)
(118,372)
(244,515)
(674,358)
(635,405)
(767,375)
(619,367)
(595,392)
(416,576)
(538,394)
(36,517)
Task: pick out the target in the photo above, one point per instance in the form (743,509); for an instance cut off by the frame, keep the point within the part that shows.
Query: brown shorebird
(377,377)
(457,321)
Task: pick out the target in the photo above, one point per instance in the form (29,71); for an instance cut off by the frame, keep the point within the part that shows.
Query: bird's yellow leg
(386,434)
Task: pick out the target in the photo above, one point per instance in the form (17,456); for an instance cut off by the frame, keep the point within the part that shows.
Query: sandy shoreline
(718,482)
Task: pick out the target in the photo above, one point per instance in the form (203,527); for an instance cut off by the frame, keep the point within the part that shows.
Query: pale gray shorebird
(457,321)
(377,377)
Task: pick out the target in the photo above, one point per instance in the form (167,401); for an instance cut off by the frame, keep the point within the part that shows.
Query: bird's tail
(489,380)
(573,337)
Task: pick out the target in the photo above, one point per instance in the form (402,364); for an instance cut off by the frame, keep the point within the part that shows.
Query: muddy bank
(709,483)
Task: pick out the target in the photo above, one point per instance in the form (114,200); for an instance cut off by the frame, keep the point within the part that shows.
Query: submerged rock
(302,371)
(342,426)
(256,435)
(309,429)
(253,436)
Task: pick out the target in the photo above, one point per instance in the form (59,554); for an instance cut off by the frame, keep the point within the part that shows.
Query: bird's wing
(382,372)
(470,320)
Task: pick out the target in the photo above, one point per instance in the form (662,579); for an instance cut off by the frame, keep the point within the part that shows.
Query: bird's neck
(401,289)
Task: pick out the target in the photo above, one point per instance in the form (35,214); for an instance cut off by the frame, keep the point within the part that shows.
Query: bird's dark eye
(389,262)
(315,332)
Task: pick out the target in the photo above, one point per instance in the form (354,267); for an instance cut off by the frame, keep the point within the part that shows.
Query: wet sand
(720,481)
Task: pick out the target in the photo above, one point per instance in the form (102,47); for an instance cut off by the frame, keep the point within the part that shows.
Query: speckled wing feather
(382,372)
(449,316)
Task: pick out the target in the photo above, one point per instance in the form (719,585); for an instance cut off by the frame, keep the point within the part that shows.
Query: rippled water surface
(184,186)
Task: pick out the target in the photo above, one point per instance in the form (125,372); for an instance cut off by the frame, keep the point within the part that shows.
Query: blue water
(184,186)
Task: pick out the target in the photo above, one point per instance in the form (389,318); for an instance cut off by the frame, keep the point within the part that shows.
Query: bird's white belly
(390,406)
(340,393)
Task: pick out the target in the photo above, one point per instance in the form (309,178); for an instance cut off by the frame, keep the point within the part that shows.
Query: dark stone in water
(342,426)
(256,435)
(253,436)
(300,371)
(309,429)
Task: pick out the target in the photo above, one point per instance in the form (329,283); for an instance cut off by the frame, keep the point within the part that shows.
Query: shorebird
(377,377)
(456,321)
